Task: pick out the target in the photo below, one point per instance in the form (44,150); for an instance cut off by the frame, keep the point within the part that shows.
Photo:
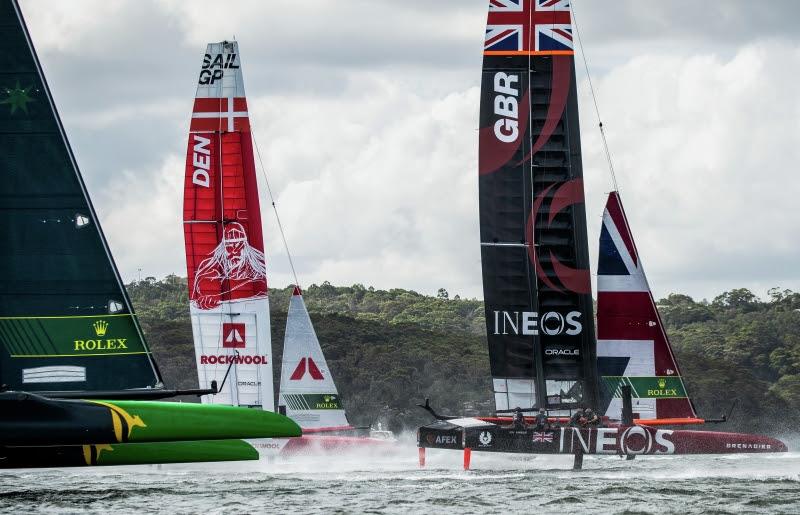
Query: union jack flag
(542,437)
(540,27)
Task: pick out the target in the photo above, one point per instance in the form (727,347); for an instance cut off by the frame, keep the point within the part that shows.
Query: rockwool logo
(306,364)
(233,336)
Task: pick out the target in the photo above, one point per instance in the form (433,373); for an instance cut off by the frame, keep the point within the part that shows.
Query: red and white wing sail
(224,242)
(632,346)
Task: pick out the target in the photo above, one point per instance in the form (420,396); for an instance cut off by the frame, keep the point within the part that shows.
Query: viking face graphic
(232,265)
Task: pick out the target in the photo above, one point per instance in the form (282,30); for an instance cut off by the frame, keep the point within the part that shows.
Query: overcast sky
(366,114)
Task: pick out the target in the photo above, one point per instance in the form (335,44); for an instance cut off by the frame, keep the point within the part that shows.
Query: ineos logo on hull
(506,105)
(212,70)
(529,323)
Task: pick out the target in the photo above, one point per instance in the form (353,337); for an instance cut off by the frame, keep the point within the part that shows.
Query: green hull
(28,420)
(127,454)
(171,421)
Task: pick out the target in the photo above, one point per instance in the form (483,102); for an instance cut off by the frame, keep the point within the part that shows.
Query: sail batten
(534,246)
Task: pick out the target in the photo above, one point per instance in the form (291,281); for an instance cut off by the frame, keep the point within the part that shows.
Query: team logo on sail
(529,323)
(306,365)
(233,336)
(233,265)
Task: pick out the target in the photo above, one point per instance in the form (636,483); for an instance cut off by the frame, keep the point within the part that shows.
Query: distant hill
(389,350)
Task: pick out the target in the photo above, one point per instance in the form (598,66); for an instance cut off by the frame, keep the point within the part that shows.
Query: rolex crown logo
(100,327)
(327,398)
(662,383)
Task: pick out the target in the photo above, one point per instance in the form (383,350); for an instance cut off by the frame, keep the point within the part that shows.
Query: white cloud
(706,152)
(366,113)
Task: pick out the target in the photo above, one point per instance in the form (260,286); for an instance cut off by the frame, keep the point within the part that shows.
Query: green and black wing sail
(534,247)
(66,323)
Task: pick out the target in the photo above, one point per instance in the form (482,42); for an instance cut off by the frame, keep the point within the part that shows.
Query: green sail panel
(59,286)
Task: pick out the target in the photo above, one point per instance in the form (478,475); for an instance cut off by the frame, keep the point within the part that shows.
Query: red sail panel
(222,214)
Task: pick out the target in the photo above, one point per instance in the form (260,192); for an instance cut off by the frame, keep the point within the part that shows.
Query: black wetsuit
(575,419)
(541,422)
(592,420)
(519,420)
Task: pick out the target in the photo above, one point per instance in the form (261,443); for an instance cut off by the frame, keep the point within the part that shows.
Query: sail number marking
(506,105)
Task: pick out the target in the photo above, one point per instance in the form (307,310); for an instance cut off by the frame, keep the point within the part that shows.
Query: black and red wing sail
(66,323)
(632,346)
(534,246)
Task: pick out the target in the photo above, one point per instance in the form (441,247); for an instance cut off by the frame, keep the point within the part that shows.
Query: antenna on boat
(594,100)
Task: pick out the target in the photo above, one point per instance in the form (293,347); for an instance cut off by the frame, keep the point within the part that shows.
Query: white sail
(307,389)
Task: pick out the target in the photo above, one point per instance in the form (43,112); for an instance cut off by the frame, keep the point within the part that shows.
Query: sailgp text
(213,69)
(506,105)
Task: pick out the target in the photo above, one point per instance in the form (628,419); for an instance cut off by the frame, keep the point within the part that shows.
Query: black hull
(620,440)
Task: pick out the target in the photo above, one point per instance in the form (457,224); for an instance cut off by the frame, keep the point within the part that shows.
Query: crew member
(519,419)
(592,420)
(541,420)
(577,419)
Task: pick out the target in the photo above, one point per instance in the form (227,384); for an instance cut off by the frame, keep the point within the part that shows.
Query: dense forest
(389,350)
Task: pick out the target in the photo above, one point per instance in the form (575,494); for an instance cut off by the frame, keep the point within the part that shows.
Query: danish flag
(233,336)
(300,371)
(220,114)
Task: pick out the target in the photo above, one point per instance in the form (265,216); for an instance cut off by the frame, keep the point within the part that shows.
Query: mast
(534,247)
(224,241)
(66,323)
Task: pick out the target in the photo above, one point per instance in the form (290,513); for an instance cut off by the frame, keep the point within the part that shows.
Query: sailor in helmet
(542,423)
(519,419)
(592,420)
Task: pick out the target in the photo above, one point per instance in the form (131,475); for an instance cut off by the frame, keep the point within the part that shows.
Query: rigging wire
(275,209)
(594,99)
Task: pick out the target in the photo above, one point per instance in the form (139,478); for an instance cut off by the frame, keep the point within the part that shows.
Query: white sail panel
(307,388)
(238,332)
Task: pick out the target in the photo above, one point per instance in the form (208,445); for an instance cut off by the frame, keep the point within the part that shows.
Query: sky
(366,115)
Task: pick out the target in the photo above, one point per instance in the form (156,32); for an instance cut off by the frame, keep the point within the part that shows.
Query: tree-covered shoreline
(390,349)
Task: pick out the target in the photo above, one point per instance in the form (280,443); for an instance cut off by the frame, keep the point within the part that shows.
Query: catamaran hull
(628,441)
(188,452)
(30,420)
(127,454)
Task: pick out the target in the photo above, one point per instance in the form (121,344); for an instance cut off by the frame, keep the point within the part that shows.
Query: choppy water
(659,485)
